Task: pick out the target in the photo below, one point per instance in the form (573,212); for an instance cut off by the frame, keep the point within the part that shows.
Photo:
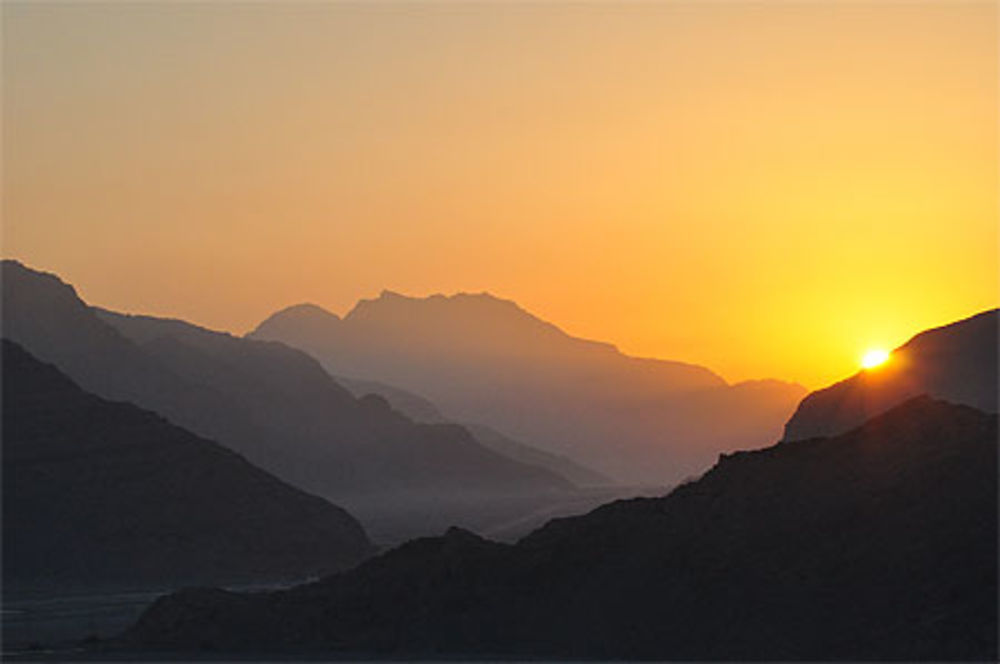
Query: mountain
(956,362)
(878,544)
(485,360)
(412,405)
(100,494)
(277,407)
(420,409)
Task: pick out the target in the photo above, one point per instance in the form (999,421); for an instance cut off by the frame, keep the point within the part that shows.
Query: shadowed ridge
(956,362)
(284,368)
(419,409)
(879,544)
(105,495)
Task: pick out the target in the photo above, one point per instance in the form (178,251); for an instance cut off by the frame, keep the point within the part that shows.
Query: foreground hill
(485,360)
(99,495)
(877,544)
(277,407)
(956,362)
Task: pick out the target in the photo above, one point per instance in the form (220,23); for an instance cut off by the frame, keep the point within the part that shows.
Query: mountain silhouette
(277,407)
(100,494)
(956,362)
(420,409)
(484,360)
(877,544)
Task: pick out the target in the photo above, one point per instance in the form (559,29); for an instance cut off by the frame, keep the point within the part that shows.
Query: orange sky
(764,188)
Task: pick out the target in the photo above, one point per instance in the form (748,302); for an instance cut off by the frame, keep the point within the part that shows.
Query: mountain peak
(438,303)
(306,310)
(298,315)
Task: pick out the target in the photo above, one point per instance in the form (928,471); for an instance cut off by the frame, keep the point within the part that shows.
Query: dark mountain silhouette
(420,409)
(485,360)
(877,544)
(281,410)
(100,494)
(956,362)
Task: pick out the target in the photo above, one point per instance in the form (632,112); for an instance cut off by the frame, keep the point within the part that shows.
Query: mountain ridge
(277,406)
(957,362)
(877,544)
(485,360)
(104,494)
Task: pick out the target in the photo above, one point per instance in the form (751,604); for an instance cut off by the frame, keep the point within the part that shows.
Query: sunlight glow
(874,358)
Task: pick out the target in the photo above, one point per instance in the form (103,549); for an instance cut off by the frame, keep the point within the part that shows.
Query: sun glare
(874,358)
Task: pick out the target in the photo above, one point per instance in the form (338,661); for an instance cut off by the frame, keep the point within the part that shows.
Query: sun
(874,358)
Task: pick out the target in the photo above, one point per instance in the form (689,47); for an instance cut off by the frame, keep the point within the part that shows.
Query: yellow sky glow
(767,189)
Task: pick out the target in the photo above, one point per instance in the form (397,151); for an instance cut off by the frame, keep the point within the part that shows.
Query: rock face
(100,494)
(485,360)
(877,544)
(277,407)
(956,362)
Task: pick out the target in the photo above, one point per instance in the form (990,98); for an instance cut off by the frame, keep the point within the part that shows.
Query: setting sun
(874,358)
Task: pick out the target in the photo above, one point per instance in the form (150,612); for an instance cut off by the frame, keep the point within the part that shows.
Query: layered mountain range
(483,360)
(420,409)
(877,544)
(278,408)
(101,495)
(149,452)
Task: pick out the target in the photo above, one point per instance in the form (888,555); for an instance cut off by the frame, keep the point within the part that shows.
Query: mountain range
(278,408)
(480,359)
(105,495)
(146,452)
(876,544)
(420,409)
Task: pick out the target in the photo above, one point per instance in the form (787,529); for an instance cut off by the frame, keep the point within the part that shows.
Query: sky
(768,189)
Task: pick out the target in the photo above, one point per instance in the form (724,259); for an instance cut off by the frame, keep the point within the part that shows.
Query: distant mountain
(419,409)
(956,362)
(879,544)
(281,410)
(100,494)
(412,405)
(485,360)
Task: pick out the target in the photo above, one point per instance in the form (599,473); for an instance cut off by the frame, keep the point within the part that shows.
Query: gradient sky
(767,189)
